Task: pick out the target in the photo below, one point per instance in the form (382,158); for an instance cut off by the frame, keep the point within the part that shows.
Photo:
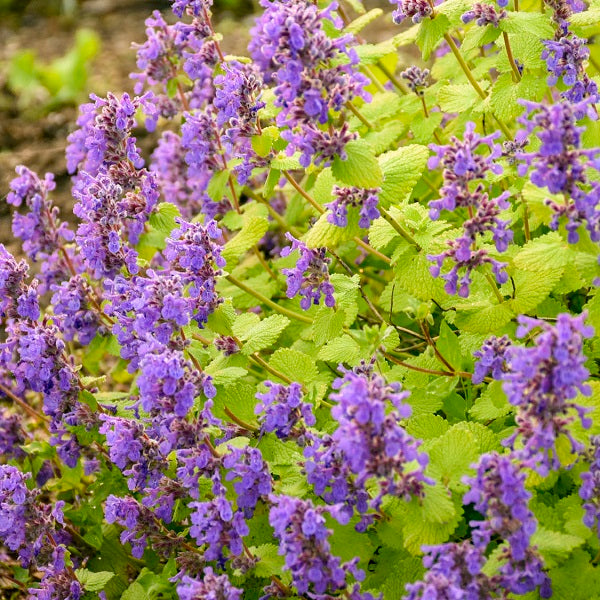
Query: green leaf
(270,561)
(492,404)
(346,295)
(340,350)
(264,334)
(506,93)
(327,325)
(326,234)
(431,31)
(93,582)
(263,143)
(488,319)
(361,168)
(294,364)
(553,545)
(163,219)
(531,289)
(429,521)
(546,252)
(217,185)
(430,398)
(286,163)
(448,346)
(585,23)
(459,97)
(361,22)
(401,170)
(576,578)
(427,426)
(451,457)
(531,24)
(254,229)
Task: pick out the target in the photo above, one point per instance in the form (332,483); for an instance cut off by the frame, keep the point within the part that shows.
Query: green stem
(267,367)
(511,58)
(401,231)
(240,422)
(494,288)
(280,309)
(359,115)
(465,67)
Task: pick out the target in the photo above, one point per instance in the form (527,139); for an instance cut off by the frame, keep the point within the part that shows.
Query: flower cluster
(281,410)
(484,14)
(542,381)
(491,358)
(364,199)
(417,10)
(310,276)
(212,586)
(464,172)
(560,164)
(290,45)
(418,79)
(590,488)
(370,440)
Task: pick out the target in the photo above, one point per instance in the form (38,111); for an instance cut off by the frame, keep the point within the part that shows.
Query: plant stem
(465,67)
(359,115)
(511,58)
(401,231)
(263,262)
(240,422)
(399,85)
(28,409)
(280,309)
(494,288)
(265,365)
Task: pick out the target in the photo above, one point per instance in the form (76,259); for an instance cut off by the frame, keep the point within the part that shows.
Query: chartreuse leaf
(553,545)
(343,349)
(361,22)
(294,364)
(488,319)
(429,521)
(361,168)
(531,289)
(93,582)
(346,295)
(327,325)
(270,562)
(546,252)
(532,24)
(426,426)
(448,346)
(254,228)
(459,97)
(163,218)
(506,94)
(324,233)
(576,578)
(431,31)
(264,334)
(451,456)
(492,404)
(401,170)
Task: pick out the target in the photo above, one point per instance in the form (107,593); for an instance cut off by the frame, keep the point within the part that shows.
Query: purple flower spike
(310,276)
(365,199)
(484,14)
(542,381)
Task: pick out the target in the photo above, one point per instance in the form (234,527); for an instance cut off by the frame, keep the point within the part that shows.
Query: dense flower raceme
(211,587)
(590,488)
(290,45)
(484,14)
(310,277)
(370,442)
(542,382)
(562,165)
(464,175)
(364,199)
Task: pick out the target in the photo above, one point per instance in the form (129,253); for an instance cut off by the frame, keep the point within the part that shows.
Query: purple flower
(454,573)
(463,165)
(365,199)
(17,299)
(58,582)
(290,45)
(560,164)
(498,493)
(491,358)
(282,411)
(254,483)
(542,381)
(418,79)
(303,540)
(368,444)
(211,587)
(12,435)
(484,14)
(590,488)
(417,10)
(310,276)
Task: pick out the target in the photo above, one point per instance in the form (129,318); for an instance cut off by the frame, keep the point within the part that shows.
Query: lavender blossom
(498,493)
(542,381)
(210,587)
(17,299)
(310,276)
(282,411)
(365,199)
(418,79)
(590,488)
(484,14)
(58,582)
(12,435)
(303,540)
(491,358)
(561,164)
(416,10)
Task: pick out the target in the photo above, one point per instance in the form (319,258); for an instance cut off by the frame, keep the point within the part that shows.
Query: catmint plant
(323,322)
